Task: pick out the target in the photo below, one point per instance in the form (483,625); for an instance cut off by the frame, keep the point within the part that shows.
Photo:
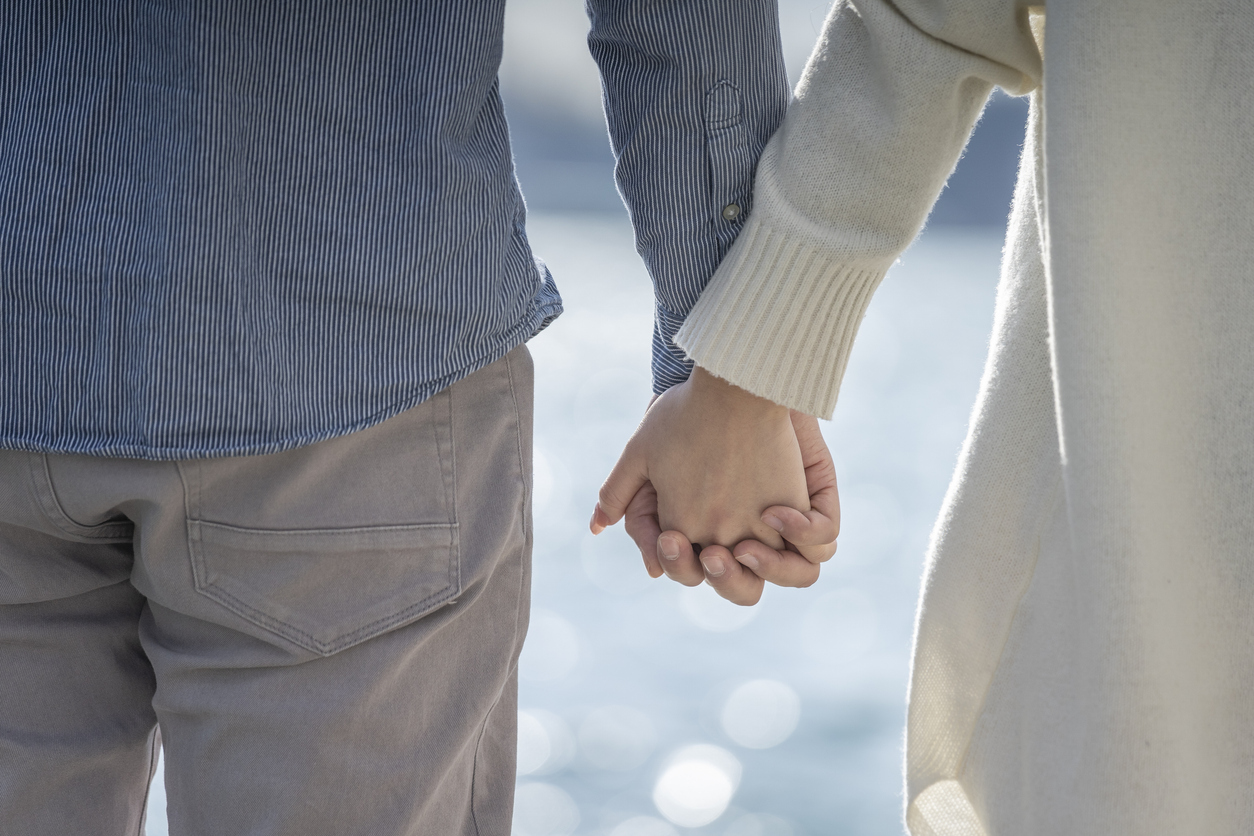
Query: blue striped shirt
(232,227)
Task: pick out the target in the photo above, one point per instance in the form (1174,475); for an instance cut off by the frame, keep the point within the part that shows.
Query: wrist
(716,392)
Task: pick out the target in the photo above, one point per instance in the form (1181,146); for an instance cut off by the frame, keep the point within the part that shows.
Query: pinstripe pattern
(230,227)
(693,91)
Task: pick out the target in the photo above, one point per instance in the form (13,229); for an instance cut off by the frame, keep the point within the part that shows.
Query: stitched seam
(522,579)
(526,518)
(726,121)
(522,464)
(474,772)
(294,633)
(319,532)
(455,555)
(152,771)
(55,513)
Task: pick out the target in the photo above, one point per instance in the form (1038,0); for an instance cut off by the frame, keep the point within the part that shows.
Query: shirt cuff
(670,365)
(779,318)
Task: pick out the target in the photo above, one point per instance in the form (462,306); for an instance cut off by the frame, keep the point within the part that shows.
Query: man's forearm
(693,91)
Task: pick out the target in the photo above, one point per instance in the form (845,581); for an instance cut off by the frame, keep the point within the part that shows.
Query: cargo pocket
(326,590)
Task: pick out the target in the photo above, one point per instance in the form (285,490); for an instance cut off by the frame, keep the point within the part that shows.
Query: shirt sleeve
(693,91)
(882,113)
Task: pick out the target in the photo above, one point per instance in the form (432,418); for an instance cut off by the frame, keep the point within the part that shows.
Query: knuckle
(641,526)
(823,537)
(819,534)
(765,561)
(606,494)
(763,556)
(820,554)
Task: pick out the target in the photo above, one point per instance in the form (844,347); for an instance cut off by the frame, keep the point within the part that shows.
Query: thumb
(625,480)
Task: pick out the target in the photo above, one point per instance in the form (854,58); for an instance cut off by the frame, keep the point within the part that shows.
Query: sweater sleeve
(880,118)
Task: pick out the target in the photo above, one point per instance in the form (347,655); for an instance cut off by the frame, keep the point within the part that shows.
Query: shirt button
(731,211)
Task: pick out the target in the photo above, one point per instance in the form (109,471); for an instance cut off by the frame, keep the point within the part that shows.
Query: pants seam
(522,465)
(522,580)
(153,751)
(474,772)
(526,495)
(450,489)
(54,512)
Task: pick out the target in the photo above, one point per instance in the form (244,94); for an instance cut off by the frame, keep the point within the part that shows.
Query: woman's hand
(741,574)
(717,458)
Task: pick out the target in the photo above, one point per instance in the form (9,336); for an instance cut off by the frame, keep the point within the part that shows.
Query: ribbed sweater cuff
(778,319)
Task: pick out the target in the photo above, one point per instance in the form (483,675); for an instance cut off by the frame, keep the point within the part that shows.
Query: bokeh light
(761,714)
(545,743)
(697,784)
(533,744)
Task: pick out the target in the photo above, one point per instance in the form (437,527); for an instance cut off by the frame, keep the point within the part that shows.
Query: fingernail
(713,566)
(747,559)
(774,522)
(594,524)
(670,550)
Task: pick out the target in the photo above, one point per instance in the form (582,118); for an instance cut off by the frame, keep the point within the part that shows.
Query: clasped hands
(722,486)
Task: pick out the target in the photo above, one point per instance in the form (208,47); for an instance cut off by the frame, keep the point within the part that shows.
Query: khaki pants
(327,638)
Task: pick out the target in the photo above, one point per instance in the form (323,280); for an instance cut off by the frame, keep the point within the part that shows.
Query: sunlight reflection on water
(761,713)
(697,784)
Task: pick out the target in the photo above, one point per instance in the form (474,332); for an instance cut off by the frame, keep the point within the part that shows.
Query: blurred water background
(649,709)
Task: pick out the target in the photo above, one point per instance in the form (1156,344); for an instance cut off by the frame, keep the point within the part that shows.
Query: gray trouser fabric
(328,637)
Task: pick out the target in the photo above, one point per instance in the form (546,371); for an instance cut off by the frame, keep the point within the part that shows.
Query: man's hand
(715,456)
(740,575)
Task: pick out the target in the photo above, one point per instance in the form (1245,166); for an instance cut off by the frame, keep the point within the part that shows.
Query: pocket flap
(326,589)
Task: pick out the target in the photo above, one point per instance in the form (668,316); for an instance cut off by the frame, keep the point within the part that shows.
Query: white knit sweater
(1084,653)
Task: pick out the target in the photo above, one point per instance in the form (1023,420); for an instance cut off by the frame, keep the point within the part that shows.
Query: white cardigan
(1084,652)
